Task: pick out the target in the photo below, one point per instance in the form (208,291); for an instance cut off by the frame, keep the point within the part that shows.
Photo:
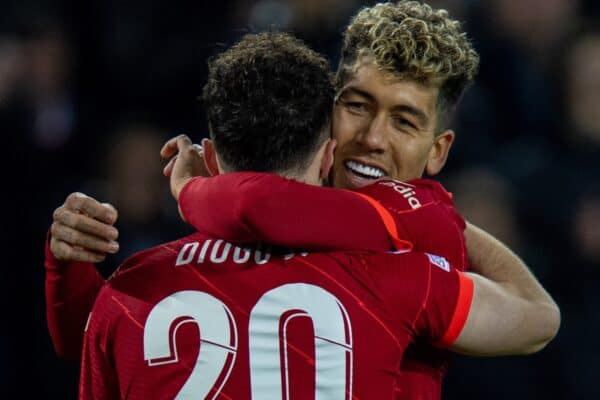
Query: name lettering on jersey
(406,191)
(219,251)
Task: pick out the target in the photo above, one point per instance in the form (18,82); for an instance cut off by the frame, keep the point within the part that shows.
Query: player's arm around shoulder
(502,320)
(82,233)
(511,313)
(467,312)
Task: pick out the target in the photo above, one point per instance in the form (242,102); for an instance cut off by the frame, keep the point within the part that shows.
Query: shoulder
(157,256)
(433,187)
(396,262)
(412,271)
(402,281)
(407,196)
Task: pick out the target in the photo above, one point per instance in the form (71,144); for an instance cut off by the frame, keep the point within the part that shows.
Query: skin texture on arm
(511,312)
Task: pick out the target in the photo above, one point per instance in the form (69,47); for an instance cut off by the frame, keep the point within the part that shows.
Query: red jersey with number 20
(418,215)
(203,318)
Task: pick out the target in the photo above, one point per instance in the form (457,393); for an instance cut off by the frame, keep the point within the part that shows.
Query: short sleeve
(426,295)
(447,303)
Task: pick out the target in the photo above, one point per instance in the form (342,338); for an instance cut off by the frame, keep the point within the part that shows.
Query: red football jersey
(203,318)
(420,214)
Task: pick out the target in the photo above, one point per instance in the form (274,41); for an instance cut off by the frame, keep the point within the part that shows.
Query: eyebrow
(357,92)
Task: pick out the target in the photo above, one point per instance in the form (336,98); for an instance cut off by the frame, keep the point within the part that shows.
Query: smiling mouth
(364,171)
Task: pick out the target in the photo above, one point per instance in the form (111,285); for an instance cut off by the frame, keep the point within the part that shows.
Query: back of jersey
(202,318)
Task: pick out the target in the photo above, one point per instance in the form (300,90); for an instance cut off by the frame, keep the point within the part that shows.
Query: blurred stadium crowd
(89,90)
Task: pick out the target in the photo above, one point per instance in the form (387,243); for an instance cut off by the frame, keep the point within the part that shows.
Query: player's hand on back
(186,162)
(83,231)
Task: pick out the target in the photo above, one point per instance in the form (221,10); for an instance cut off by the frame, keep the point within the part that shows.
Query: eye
(355,106)
(404,124)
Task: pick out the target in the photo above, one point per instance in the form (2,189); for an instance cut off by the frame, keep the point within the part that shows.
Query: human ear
(327,160)
(439,152)
(210,157)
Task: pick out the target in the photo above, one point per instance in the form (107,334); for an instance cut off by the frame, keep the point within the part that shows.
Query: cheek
(410,155)
(337,154)
(345,127)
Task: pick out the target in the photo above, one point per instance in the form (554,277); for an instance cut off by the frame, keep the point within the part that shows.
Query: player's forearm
(70,290)
(298,215)
(247,207)
(502,323)
(493,260)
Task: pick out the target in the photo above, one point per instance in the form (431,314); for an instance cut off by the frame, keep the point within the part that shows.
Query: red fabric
(249,207)
(351,312)
(71,289)
(461,312)
(389,223)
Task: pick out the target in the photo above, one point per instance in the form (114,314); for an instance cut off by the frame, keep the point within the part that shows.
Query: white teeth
(369,172)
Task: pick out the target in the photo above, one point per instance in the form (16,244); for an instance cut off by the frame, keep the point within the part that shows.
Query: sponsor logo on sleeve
(439,261)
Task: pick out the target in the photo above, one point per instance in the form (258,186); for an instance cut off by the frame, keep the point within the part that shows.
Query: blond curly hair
(411,41)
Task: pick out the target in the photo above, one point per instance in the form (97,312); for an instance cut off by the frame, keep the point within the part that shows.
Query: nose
(373,137)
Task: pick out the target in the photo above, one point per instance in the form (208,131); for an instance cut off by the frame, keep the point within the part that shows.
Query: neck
(308,177)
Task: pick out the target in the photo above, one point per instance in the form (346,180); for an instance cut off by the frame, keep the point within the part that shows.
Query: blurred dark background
(89,90)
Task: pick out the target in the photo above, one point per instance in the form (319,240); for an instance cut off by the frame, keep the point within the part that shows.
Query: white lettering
(219,259)
(182,257)
(218,251)
(243,259)
(407,192)
(260,259)
(291,255)
(202,255)
(414,202)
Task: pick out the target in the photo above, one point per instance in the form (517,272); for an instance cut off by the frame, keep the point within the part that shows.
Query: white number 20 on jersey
(219,337)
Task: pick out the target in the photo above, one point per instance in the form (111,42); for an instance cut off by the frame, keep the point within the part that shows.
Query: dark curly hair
(268,101)
(410,40)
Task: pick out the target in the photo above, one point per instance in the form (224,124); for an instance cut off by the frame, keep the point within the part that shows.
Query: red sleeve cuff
(461,311)
(69,279)
(50,262)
